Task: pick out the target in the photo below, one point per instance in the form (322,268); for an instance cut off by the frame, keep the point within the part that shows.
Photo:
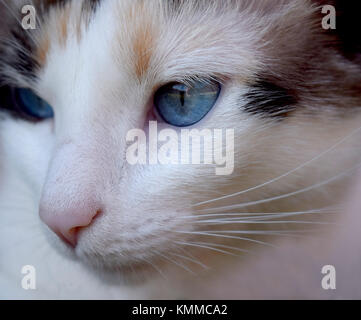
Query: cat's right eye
(183,105)
(30,104)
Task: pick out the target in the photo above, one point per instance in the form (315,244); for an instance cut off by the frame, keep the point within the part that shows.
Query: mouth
(127,250)
(130,270)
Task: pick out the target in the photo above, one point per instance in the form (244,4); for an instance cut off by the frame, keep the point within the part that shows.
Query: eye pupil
(182,99)
(32,105)
(181,105)
(182,90)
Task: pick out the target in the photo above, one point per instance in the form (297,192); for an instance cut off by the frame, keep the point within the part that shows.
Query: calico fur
(287,89)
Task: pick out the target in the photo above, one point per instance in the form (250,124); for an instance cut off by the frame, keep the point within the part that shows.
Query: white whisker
(153,265)
(191,260)
(181,265)
(215,234)
(254,215)
(200,245)
(285,174)
(309,188)
(262,222)
(225,246)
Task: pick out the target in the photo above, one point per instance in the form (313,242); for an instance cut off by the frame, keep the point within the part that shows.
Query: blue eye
(181,105)
(31,105)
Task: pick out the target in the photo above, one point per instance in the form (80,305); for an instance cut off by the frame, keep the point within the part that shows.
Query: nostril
(71,236)
(67,223)
(97,214)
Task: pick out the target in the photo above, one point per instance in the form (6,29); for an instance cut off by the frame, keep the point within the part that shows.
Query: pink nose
(67,221)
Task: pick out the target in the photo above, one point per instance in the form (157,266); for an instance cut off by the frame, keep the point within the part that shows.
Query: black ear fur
(347,35)
(348,27)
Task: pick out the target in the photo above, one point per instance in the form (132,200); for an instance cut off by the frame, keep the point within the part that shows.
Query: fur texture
(287,90)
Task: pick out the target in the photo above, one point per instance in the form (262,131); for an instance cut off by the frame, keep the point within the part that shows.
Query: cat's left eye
(28,103)
(183,105)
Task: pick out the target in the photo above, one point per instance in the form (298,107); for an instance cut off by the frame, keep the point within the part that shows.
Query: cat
(94,226)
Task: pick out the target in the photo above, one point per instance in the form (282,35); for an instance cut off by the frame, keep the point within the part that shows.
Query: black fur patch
(22,60)
(90,5)
(348,27)
(268,99)
(16,46)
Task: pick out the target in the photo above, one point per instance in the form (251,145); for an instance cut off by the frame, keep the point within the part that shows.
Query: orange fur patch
(143,40)
(63,26)
(142,47)
(42,50)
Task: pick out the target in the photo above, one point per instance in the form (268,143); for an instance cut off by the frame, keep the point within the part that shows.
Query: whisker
(262,222)
(181,265)
(263,217)
(200,245)
(276,216)
(191,259)
(226,246)
(251,215)
(283,175)
(214,234)
(309,188)
(190,255)
(153,265)
(261,232)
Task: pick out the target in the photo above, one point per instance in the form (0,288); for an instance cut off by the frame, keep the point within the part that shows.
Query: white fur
(97,98)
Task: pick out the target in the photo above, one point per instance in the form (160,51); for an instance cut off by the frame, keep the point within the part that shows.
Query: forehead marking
(142,47)
(143,40)
(42,50)
(63,25)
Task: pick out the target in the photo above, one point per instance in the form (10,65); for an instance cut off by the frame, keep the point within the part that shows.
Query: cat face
(100,67)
